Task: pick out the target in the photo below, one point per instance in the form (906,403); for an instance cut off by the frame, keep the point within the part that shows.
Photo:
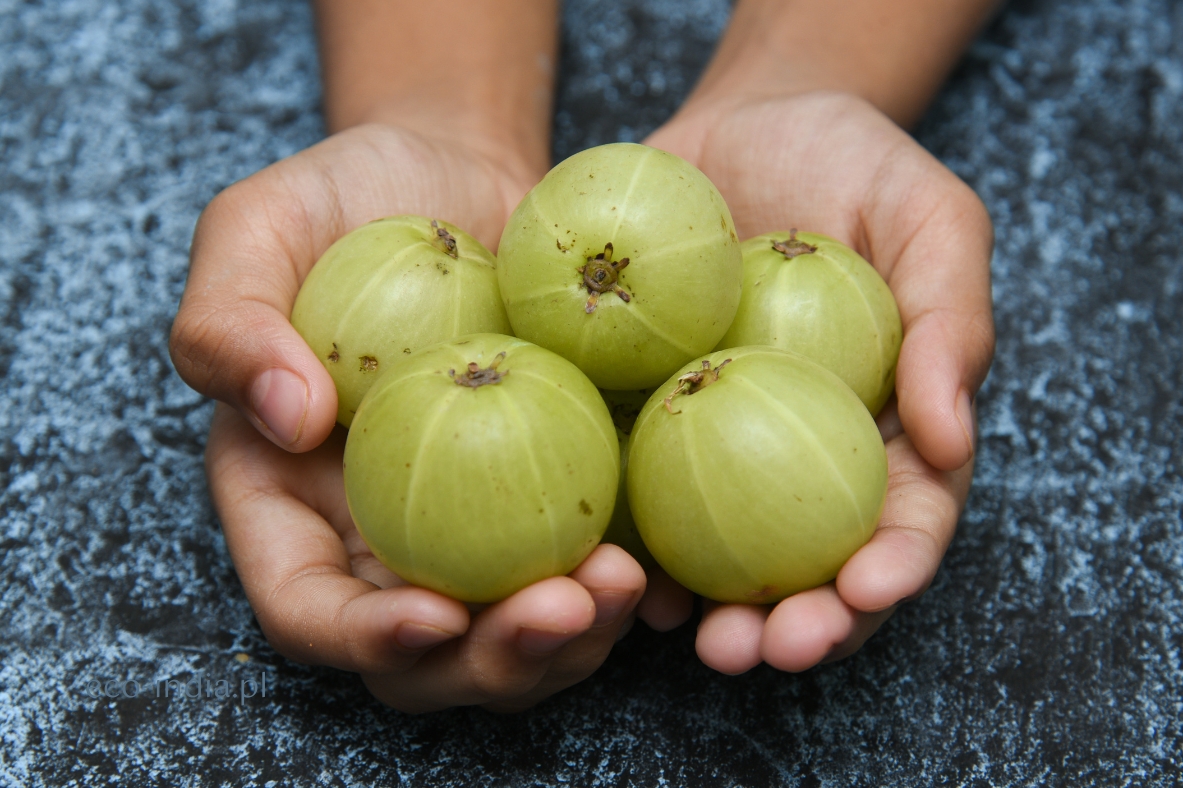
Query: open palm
(274,457)
(831,163)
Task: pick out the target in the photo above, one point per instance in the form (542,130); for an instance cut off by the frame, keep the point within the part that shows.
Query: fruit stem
(792,247)
(694,382)
(600,275)
(445,239)
(476,377)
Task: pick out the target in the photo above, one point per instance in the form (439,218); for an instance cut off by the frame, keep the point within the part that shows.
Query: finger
(615,582)
(231,339)
(729,636)
(931,237)
(918,522)
(507,651)
(815,626)
(296,570)
(666,603)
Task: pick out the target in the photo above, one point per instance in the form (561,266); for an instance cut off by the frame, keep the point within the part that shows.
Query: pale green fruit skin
(830,306)
(385,290)
(478,493)
(622,531)
(763,484)
(684,275)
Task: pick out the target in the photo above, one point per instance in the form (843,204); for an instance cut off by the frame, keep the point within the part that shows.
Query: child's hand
(257,240)
(318,593)
(833,164)
(321,596)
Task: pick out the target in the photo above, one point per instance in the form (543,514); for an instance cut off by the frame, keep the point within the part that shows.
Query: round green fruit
(812,295)
(389,288)
(755,474)
(479,466)
(622,531)
(623,260)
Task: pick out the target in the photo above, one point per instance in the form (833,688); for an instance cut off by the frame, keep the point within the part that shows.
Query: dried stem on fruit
(694,382)
(792,247)
(444,239)
(600,275)
(476,377)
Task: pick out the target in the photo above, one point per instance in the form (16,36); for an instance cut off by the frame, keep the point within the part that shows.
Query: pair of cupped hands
(822,162)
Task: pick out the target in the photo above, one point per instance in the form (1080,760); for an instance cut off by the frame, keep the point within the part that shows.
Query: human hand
(322,597)
(459,138)
(319,594)
(832,163)
(257,240)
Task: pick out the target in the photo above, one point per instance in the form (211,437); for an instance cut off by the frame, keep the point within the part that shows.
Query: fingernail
(609,606)
(628,627)
(965,415)
(541,643)
(420,636)
(280,400)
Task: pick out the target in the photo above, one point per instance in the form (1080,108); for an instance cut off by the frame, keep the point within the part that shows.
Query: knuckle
(286,614)
(927,506)
(982,340)
(501,680)
(198,336)
(213,343)
(971,207)
(565,673)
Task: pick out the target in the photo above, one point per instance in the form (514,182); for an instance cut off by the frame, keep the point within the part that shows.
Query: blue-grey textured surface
(1047,652)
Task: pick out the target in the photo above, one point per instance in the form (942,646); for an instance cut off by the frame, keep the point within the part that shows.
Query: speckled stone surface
(1047,652)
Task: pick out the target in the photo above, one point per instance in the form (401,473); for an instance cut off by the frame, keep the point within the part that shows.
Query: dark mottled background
(1048,651)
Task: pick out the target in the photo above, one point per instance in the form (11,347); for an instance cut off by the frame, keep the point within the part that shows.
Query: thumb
(232,339)
(942,286)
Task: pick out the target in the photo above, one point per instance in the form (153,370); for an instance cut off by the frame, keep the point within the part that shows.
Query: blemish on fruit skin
(584,507)
(762,594)
(368,363)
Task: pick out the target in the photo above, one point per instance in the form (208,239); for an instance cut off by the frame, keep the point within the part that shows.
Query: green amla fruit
(479,466)
(623,260)
(389,288)
(622,531)
(754,474)
(812,295)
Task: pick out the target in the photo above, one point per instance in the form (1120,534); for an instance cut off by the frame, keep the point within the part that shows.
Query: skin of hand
(274,455)
(831,162)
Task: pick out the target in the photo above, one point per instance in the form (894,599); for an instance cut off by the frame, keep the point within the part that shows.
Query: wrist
(893,55)
(477,71)
(520,154)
